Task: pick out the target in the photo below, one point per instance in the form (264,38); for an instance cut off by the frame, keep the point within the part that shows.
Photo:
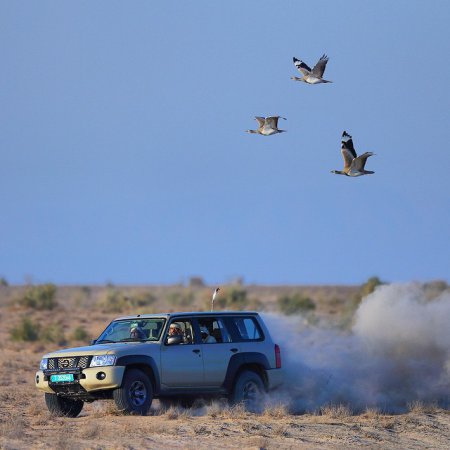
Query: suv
(174,357)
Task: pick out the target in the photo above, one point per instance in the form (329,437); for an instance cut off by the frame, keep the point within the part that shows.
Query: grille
(72,362)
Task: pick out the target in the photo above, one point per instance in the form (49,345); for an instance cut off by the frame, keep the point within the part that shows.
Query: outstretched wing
(319,68)
(359,162)
(347,144)
(261,121)
(272,122)
(348,158)
(301,66)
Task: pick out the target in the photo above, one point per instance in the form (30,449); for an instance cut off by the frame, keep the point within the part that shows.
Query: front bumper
(87,378)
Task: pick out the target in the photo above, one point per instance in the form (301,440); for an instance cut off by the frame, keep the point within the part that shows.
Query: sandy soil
(25,422)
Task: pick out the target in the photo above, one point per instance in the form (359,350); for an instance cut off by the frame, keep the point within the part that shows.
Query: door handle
(234,350)
(196,351)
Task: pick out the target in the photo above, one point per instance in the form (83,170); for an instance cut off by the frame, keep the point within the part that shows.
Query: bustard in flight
(353,164)
(267,126)
(313,76)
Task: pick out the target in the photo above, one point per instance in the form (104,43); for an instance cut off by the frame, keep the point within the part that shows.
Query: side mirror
(93,341)
(177,339)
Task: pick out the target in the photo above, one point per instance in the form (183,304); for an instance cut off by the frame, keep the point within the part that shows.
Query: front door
(182,364)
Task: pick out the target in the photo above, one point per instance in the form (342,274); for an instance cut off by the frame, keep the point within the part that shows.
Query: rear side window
(248,328)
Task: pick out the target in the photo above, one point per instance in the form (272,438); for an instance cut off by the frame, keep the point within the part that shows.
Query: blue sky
(124,157)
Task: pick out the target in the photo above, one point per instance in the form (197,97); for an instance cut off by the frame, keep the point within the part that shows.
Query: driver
(175,329)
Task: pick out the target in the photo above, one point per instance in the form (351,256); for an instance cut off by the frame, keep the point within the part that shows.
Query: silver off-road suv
(175,357)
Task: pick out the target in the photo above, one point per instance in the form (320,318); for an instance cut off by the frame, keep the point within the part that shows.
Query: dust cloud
(397,353)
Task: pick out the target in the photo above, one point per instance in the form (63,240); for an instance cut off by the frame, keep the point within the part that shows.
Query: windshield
(132,330)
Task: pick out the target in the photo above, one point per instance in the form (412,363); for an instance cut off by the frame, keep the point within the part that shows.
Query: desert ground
(26,423)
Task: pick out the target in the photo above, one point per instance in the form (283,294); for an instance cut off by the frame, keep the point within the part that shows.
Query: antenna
(213,297)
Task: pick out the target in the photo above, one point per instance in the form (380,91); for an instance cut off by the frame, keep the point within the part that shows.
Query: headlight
(103,360)
(44,364)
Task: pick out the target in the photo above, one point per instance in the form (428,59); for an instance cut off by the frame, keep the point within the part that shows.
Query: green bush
(80,334)
(366,288)
(27,330)
(39,297)
(295,304)
(180,299)
(142,299)
(114,301)
(53,333)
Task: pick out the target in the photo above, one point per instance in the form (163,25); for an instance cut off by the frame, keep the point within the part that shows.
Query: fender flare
(240,360)
(135,360)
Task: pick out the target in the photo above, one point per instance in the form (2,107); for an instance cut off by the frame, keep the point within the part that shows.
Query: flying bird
(267,126)
(313,76)
(353,164)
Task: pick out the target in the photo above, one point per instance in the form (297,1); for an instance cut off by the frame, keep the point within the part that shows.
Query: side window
(248,328)
(213,330)
(182,328)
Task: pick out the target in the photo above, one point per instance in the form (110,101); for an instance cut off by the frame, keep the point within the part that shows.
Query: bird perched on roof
(353,164)
(267,126)
(313,76)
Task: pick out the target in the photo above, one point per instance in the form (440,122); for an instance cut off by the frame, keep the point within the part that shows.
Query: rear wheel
(249,390)
(63,406)
(136,393)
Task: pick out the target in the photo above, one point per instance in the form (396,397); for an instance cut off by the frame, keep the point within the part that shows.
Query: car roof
(188,314)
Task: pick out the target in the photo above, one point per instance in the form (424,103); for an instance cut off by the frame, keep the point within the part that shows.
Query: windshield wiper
(105,341)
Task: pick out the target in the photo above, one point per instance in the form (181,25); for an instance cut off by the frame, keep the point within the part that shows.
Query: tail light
(277,356)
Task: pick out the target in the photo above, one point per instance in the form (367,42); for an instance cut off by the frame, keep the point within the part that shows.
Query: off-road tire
(63,406)
(136,393)
(248,389)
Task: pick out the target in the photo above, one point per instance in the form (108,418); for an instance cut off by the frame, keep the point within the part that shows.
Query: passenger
(206,337)
(137,333)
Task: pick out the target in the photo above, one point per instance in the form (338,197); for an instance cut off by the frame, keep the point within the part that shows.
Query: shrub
(142,299)
(366,288)
(39,297)
(3,282)
(369,286)
(236,298)
(53,333)
(182,299)
(80,334)
(27,330)
(113,301)
(296,304)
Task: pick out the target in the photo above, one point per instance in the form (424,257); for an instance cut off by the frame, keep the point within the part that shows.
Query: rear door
(216,355)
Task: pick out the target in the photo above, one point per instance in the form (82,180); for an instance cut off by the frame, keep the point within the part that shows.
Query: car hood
(118,349)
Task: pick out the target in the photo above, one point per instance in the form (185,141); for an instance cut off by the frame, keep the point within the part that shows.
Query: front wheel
(136,393)
(249,390)
(63,406)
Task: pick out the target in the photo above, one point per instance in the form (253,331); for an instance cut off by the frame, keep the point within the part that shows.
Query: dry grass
(419,407)
(91,431)
(25,422)
(336,411)
(13,427)
(177,413)
(276,411)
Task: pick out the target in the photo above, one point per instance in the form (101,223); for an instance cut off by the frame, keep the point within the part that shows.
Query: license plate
(61,378)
